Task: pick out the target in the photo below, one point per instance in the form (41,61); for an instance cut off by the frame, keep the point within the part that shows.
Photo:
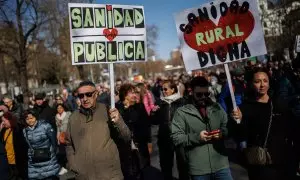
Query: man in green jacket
(201,128)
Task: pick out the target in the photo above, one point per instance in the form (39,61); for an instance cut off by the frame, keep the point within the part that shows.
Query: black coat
(17,111)
(46,113)
(20,148)
(137,120)
(282,139)
(3,161)
(164,115)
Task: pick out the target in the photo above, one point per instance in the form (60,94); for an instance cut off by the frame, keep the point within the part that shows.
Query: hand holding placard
(231,90)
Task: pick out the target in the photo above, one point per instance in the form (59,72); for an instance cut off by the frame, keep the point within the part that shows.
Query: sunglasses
(87,94)
(165,89)
(201,94)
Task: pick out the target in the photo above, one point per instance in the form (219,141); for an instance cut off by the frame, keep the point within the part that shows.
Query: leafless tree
(22,20)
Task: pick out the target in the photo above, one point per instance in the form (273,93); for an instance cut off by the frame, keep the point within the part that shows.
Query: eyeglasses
(201,94)
(87,94)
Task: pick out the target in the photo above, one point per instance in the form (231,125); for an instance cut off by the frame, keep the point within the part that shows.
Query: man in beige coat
(91,150)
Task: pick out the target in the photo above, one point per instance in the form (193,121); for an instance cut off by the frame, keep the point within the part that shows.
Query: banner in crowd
(107,33)
(297,44)
(220,32)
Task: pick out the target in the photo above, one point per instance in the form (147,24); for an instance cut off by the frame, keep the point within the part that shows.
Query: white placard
(220,32)
(107,33)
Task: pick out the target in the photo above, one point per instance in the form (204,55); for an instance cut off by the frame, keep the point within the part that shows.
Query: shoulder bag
(258,155)
(40,154)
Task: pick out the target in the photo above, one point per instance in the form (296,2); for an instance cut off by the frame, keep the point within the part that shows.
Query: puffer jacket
(41,136)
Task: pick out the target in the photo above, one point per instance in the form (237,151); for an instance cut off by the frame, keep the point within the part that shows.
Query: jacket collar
(171,99)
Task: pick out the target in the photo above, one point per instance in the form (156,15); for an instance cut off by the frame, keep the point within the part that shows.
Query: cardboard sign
(297,44)
(220,32)
(107,33)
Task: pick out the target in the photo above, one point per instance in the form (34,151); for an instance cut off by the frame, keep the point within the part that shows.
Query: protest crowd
(78,132)
(230,102)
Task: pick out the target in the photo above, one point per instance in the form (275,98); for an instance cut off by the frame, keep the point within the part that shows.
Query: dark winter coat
(17,111)
(164,115)
(254,125)
(3,161)
(41,136)
(46,113)
(70,103)
(138,122)
(20,148)
(156,91)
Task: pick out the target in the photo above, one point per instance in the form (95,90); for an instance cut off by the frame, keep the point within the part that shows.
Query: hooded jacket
(91,150)
(203,157)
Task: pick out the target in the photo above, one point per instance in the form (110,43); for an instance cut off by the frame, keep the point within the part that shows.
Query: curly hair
(124,89)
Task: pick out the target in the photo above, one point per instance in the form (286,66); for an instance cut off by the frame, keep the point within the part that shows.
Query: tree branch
(5,16)
(34,26)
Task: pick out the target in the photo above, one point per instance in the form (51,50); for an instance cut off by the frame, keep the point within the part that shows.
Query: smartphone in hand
(213,132)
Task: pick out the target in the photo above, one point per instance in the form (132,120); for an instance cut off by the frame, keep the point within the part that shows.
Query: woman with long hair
(15,146)
(270,132)
(146,98)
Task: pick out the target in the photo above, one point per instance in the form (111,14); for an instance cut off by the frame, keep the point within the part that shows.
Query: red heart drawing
(245,24)
(108,7)
(110,34)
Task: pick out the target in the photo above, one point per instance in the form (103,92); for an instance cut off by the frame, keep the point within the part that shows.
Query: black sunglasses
(87,94)
(201,94)
(165,89)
